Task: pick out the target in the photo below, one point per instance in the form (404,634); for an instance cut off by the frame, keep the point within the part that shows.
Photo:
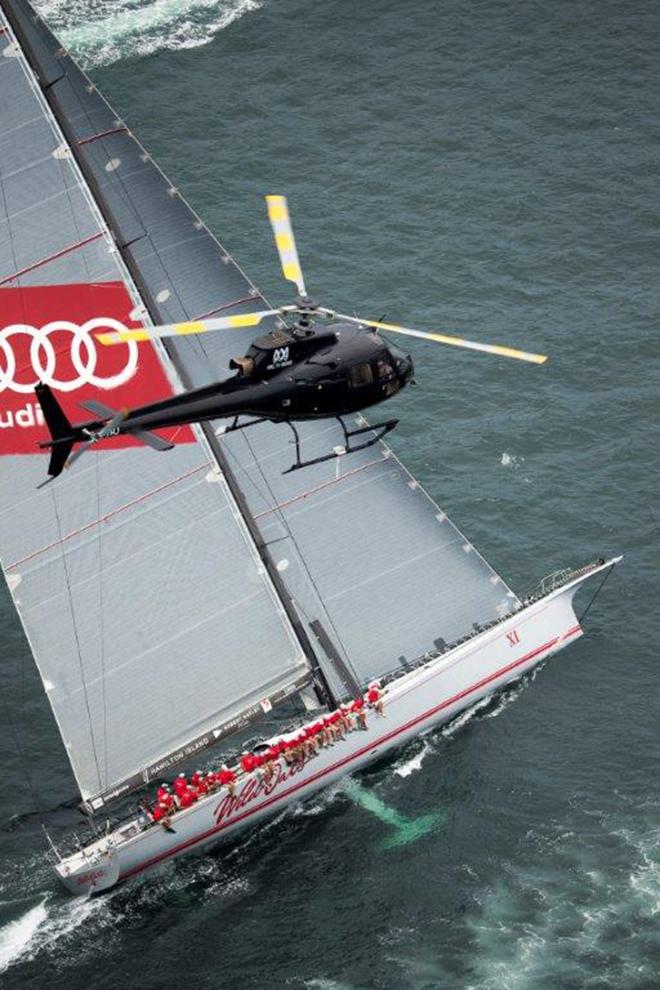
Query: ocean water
(489,168)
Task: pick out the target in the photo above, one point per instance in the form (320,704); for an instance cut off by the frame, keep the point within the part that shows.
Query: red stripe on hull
(354,756)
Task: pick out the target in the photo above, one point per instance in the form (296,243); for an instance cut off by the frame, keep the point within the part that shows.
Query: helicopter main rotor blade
(192,327)
(278,214)
(442,338)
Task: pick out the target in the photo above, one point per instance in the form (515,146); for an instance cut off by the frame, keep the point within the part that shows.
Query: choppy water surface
(490,167)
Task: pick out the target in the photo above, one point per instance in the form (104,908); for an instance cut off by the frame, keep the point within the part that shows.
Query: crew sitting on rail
(161,815)
(358,710)
(226,778)
(187,797)
(180,784)
(374,699)
(324,732)
(247,762)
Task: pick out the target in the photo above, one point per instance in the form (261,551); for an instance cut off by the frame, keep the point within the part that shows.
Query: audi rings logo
(44,357)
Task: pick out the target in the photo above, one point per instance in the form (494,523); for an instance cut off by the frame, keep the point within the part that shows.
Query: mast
(321,685)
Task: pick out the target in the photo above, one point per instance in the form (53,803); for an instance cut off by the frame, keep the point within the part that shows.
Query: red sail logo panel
(49,334)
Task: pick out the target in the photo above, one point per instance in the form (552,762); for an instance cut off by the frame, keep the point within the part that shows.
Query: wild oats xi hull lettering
(253,789)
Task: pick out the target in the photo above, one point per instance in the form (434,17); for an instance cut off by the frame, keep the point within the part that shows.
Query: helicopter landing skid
(379,429)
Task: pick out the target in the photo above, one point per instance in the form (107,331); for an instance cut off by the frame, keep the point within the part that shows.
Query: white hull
(427,696)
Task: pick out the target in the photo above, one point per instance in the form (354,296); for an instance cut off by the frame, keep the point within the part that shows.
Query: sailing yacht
(172,600)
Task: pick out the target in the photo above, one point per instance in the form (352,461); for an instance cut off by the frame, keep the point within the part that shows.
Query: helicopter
(321,364)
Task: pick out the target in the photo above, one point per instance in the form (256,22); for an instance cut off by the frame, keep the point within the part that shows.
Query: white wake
(98,32)
(17,936)
(43,926)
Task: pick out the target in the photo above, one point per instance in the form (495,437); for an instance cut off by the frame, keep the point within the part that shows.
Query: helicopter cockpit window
(361,374)
(383,369)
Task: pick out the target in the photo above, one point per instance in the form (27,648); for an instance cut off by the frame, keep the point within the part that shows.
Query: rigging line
(597,592)
(77,639)
(288,530)
(102,622)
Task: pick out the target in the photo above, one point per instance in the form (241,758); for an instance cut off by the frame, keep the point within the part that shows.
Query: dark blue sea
(488,168)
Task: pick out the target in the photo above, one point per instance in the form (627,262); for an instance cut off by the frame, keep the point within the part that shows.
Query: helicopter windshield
(396,352)
(383,368)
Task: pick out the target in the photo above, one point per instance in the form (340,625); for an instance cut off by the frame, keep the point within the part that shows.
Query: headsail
(152,619)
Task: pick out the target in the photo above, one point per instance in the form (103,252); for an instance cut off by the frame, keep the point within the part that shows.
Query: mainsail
(152,619)
(218,579)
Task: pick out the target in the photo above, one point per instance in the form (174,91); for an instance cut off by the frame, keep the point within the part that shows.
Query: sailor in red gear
(196,779)
(358,710)
(202,787)
(287,752)
(161,815)
(163,793)
(247,762)
(374,698)
(226,776)
(187,797)
(180,784)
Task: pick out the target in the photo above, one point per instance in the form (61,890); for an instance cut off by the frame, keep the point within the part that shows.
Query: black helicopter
(324,365)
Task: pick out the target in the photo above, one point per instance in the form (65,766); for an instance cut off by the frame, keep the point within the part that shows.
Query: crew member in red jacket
(248,762)
(227,778)
(374,698)
(187,797)
(180,784)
